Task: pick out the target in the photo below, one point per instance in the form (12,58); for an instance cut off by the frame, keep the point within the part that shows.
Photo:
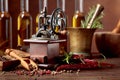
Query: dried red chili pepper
(89,64)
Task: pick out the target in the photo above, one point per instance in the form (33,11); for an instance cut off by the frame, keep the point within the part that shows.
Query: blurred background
(111,14)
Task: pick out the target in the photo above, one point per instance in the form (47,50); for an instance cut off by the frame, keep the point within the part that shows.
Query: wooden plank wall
(112,13)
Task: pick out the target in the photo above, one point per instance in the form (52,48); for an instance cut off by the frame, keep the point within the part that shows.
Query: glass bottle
(40,18)
(24,23)
(39,14)
(5,26)
(78,15)
(60,23)
(60,4)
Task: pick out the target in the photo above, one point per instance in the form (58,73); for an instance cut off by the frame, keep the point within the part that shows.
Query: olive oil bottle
(24,23)
(61,24)
(5,26)
(78,15)
(40,18)
(39,15)
(61,15)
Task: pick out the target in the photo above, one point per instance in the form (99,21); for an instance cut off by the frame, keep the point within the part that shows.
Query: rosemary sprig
(96,22)
(67,57)
(88,17)
(71,58)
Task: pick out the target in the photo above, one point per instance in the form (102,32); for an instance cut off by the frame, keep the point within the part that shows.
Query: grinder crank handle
(25,62)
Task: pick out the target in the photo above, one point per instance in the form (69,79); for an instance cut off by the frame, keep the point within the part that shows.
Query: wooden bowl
(108,43)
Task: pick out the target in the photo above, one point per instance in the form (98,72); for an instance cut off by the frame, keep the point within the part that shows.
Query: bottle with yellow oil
(78,14)
(5,26)
(41,16)
(60,4)
(24,23)
(62,23)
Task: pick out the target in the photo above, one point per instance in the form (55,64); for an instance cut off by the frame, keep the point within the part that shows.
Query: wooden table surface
(99,74)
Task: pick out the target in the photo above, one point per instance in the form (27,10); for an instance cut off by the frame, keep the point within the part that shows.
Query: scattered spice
(66,68)
(32,73)
(89,64)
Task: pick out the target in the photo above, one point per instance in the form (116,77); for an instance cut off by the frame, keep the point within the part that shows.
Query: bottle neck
(24,5)
(61,4)
(40,5)
(4,5)
(79,5)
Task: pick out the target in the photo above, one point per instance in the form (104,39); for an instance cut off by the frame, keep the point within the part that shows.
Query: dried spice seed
(68,71)
(78,70)
(71,71)
(53,72)
(48,72)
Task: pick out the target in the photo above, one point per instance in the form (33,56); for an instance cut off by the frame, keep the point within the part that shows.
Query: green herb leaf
(67,57)
(96,23)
